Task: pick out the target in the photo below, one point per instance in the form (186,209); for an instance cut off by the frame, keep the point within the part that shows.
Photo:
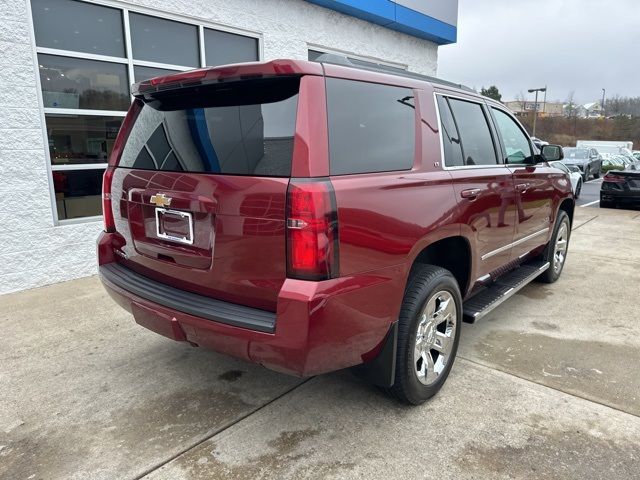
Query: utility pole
(604,112)
(535,106)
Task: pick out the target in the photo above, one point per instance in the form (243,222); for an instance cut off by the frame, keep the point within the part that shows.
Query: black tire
(585,177)
(598,173)
(556,264)
(426,283)
(578,189)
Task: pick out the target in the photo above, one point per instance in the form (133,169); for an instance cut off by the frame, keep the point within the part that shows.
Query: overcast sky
(568,45)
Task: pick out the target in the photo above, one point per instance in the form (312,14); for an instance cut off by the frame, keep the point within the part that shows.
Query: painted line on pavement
(590,203)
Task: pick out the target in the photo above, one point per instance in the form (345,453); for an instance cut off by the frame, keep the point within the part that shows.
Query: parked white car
(574,175)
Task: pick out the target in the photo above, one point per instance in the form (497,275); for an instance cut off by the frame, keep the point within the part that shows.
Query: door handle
(522,187)
(471,193)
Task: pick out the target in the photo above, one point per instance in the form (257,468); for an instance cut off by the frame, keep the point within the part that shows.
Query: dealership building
(66,67)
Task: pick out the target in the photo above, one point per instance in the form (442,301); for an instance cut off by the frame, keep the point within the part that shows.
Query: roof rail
(343,61)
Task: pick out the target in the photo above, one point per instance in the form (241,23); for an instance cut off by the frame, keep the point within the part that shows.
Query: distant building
(592,110)
(544,109)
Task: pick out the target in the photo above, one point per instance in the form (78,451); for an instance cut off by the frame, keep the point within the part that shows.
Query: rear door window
(477,142)
(371,127)
(242,129)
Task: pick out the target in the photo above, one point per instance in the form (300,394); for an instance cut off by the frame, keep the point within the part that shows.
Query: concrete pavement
(546,386)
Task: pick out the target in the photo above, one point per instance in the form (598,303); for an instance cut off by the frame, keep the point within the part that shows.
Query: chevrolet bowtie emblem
(160,200)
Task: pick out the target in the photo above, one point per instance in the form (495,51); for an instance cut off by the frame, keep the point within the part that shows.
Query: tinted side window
(453,156)
(515,141)
(477,143)
(371,127)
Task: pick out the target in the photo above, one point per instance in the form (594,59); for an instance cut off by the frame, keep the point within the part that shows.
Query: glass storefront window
(81,139)
(78,193)
(222,48)
(79,83)
(145,73)
(164,41)
(86,69)
(78,26)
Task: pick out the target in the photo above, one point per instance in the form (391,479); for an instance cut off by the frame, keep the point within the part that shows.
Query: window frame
(503,149)
(127,60)
(497,146)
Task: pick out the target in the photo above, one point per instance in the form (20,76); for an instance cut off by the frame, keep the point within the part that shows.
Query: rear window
(246,128)
(371,127)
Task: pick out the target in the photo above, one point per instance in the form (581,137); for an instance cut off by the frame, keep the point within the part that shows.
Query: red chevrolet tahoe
(311,217)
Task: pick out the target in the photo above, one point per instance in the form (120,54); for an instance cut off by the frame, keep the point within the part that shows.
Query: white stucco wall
(34,251)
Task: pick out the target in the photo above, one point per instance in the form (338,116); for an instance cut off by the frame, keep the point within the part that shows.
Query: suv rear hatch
(200,188)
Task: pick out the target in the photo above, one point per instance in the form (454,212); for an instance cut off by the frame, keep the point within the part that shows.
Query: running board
(502,289)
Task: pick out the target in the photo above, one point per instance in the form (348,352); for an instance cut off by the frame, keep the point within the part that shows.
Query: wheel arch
(568,206)
(453,253)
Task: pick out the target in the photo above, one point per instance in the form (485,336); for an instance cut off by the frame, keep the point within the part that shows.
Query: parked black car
(588,160)
(620,188)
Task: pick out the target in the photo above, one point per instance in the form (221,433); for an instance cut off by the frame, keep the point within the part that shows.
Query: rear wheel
(556,250)
(578,189)
(428,334)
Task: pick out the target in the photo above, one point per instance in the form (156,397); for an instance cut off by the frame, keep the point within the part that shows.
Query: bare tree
(571,109)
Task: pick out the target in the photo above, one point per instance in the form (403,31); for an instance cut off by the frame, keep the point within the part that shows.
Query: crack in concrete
(217,432)
(528,380)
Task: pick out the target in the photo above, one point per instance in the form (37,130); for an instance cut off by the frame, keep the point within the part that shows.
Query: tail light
(609,178)
(107,210)
(312,230)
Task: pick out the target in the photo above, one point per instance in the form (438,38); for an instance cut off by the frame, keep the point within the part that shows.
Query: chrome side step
(502,289)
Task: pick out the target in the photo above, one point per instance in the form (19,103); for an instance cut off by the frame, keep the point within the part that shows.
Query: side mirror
(552,153)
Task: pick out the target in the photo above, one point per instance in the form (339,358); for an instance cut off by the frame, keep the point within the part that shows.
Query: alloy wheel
(435,337)
(561,246)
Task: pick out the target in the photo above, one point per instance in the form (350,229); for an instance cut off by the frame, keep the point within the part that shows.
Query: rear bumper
(622,197)
(318,326)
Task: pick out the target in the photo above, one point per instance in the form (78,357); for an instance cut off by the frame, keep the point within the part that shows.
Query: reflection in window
(75,139)
(145,73)
(453,155)
(87,84)
(477,142)
(164,41)
(78,26)
(515,141)
(78,193)
(251,139)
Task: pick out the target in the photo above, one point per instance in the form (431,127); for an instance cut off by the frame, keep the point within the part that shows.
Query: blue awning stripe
(396,17)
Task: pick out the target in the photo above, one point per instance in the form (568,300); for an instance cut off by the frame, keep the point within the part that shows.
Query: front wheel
(556,250)
(428,334)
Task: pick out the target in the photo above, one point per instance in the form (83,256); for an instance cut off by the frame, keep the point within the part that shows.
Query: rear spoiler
(226,73)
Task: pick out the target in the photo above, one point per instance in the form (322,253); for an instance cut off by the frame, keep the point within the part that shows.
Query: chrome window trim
(443,162)
(514,244)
